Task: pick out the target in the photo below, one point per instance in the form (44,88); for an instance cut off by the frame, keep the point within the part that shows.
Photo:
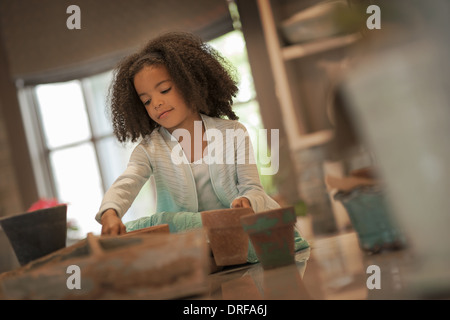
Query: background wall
(39,45)
(10,200)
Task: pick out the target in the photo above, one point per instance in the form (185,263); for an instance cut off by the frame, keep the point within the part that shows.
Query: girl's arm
(248,182)
(125,189)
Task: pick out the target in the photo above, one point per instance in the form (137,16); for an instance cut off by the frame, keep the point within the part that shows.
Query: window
(232,46)
(76,154)
(77,157)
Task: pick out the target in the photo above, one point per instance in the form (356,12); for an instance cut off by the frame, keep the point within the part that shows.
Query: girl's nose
(158,104)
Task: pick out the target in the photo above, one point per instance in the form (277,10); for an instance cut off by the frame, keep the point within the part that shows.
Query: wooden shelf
(313,139)
(305,49)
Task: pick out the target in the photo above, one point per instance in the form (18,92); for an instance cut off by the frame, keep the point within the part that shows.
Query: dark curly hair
(204,77)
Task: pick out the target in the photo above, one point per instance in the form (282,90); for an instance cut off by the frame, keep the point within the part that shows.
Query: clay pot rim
(233,222)
(248,221)
(29,213)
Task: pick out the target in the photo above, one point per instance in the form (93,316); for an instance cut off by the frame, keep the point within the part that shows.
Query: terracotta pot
(272,235)
(227,238)
(37,233)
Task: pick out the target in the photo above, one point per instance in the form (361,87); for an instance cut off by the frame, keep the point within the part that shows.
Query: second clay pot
(227,239)
(272,235)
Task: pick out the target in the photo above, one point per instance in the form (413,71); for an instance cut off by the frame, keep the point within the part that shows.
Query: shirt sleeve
(126,187)
(248,182)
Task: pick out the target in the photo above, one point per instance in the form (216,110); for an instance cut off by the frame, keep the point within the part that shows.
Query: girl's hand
(241,203)
(111,223)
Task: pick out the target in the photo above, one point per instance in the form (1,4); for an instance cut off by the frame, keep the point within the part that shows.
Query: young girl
(173,97)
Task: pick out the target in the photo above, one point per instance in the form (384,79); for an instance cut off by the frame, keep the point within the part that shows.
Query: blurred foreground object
(397,96)
(141,265)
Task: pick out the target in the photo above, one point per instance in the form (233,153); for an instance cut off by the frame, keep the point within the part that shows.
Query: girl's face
(161,98)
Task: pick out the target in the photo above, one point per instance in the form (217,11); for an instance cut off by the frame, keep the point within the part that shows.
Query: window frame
(39,150)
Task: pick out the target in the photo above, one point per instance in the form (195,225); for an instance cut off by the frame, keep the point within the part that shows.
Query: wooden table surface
(333,268)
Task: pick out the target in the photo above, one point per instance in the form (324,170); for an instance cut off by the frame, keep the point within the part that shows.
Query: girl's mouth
(164,114)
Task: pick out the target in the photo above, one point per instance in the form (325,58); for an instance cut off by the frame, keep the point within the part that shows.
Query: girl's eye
(167,90)
(147,102)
